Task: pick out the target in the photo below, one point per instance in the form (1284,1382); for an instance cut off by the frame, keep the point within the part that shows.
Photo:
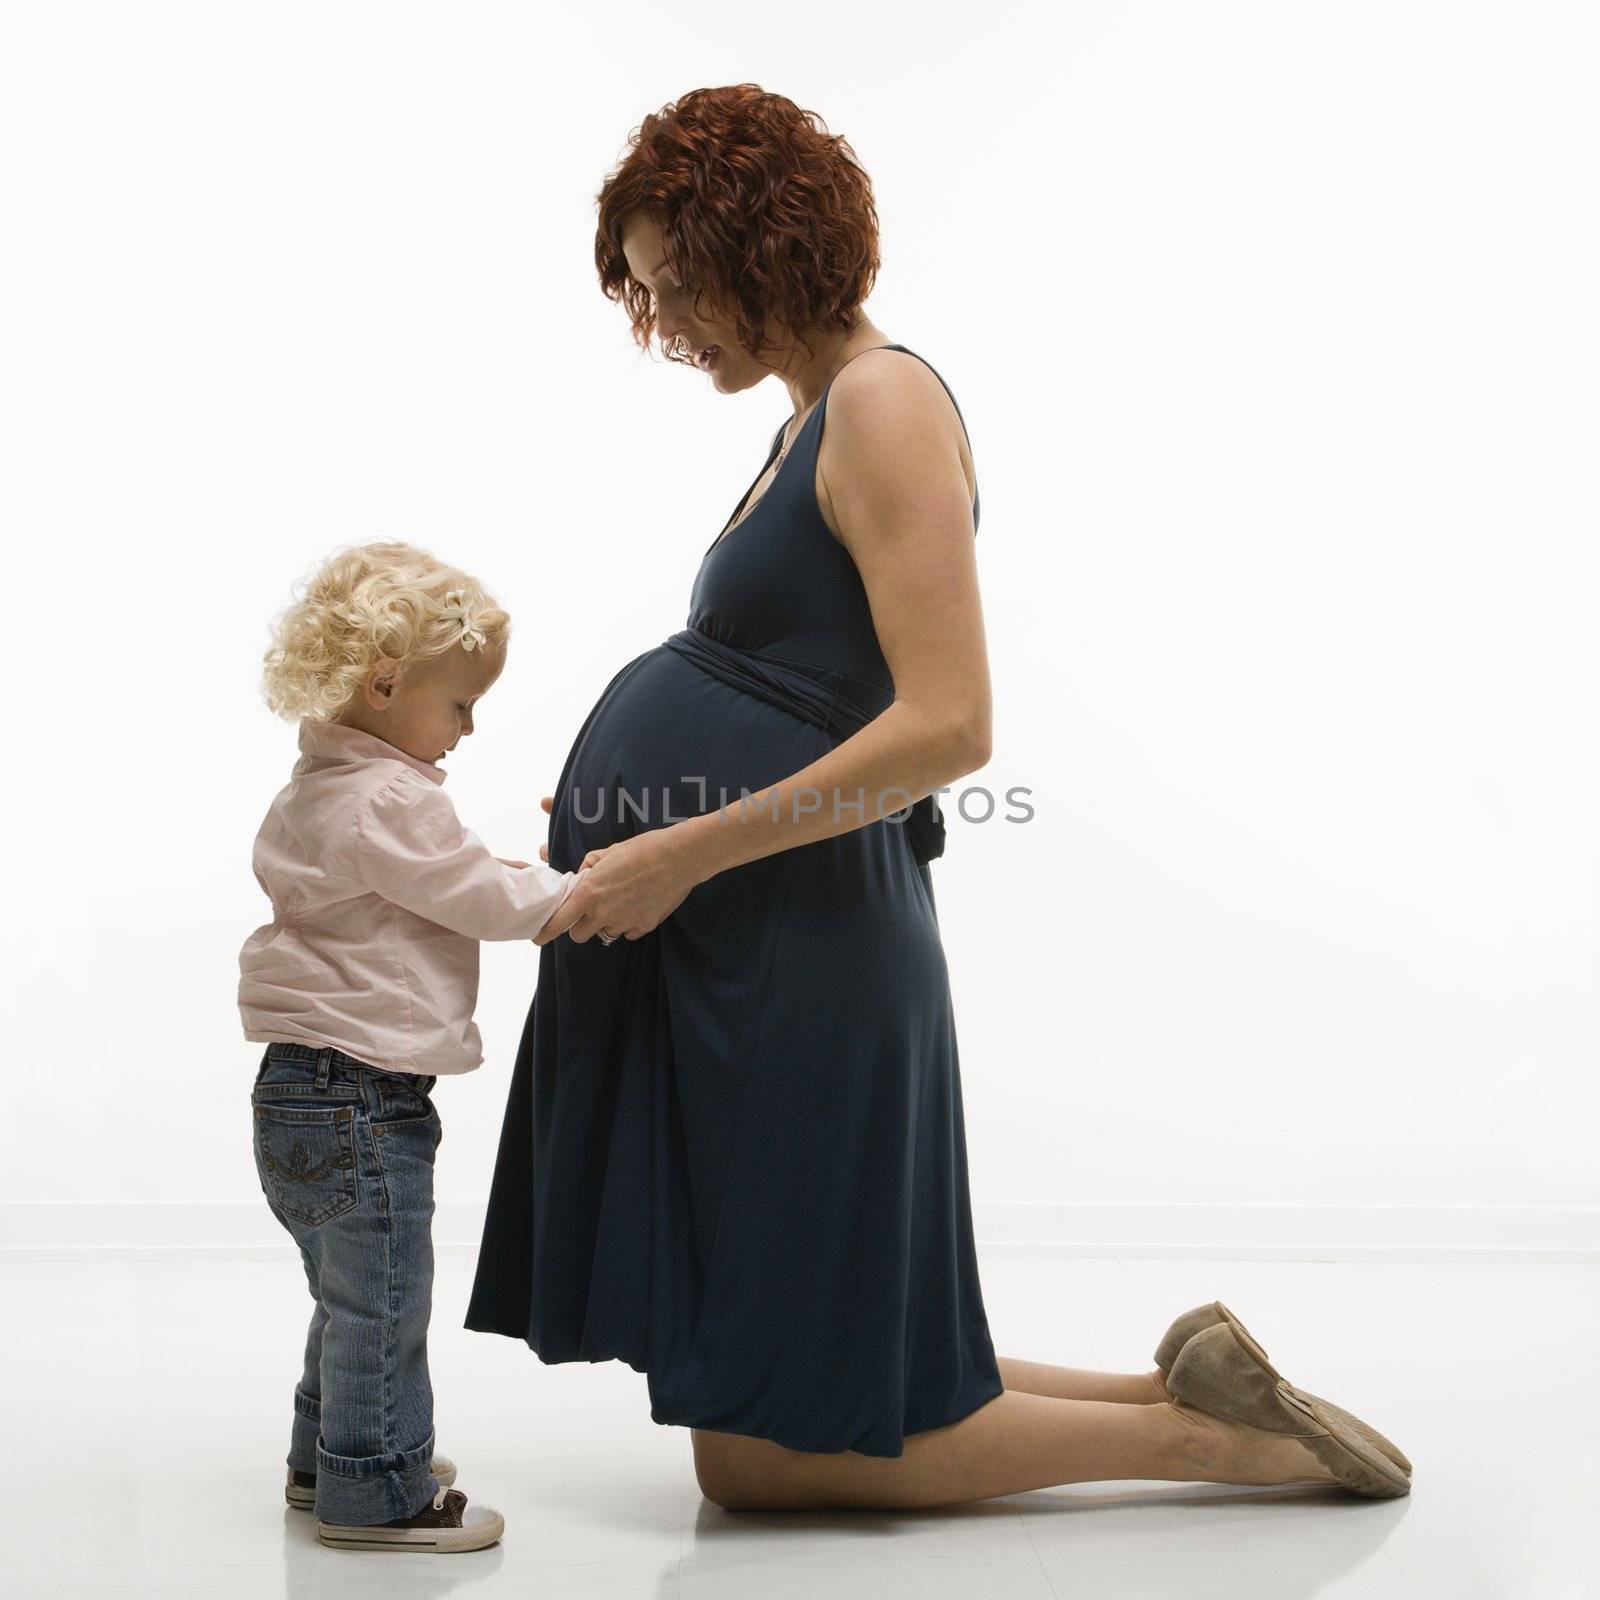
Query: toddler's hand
(504,862)
(583,867)
(546,805)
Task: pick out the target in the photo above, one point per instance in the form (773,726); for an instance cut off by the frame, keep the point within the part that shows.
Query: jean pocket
(307,1160)
(403,1108)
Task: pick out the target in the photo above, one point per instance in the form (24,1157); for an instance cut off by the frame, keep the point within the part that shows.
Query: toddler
(362,987)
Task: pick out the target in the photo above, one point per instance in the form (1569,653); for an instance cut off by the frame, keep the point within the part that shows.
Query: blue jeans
(344,1153)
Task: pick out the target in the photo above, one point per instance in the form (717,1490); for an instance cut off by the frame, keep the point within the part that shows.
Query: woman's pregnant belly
(668,741)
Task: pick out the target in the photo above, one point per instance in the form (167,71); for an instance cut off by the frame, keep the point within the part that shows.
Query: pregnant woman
(733,1154)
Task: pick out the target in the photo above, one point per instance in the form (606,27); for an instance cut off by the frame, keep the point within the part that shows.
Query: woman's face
(731,367)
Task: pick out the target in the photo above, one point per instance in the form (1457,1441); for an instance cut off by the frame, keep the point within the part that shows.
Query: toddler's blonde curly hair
(367,604)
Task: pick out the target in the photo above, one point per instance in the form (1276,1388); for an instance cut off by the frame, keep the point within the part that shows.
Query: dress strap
(946,387)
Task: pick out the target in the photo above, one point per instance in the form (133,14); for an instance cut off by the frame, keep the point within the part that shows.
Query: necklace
(746,509)
(788,436)
(789,433)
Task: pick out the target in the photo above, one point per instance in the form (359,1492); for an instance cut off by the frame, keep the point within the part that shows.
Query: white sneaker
(446,1527)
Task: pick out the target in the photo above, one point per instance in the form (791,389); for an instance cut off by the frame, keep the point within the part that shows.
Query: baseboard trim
(245,1230)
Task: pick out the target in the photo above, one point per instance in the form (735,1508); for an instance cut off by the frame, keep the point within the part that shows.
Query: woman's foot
(1215,1450)
(1223,1373)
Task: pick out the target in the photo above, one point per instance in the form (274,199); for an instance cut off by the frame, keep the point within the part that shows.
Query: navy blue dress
(733,1153)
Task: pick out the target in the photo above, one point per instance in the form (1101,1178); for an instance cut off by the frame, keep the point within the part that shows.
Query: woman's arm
(903,509)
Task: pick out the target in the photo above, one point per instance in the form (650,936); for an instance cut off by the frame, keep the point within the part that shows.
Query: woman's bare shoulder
(888,407)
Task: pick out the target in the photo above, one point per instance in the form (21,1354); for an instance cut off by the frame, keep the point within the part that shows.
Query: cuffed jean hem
(358,1491)
(303,1435)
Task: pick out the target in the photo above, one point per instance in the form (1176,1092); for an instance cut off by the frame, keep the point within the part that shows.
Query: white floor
(149,1413)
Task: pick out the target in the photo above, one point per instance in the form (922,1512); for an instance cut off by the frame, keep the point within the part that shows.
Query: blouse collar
(336,741)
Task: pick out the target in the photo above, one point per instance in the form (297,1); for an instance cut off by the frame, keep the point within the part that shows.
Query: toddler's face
(429,709)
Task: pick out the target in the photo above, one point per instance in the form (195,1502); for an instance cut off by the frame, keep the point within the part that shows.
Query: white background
(1275,330)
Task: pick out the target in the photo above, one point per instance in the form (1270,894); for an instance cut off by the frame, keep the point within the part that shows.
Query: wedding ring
(607,938)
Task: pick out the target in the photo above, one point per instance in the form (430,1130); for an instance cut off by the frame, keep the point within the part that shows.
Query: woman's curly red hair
(767,214)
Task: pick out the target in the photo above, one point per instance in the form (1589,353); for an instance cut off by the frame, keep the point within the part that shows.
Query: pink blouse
(379,898)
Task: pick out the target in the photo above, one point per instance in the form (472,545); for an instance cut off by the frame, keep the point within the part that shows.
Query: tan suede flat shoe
(1190,1323)
(1226,1375)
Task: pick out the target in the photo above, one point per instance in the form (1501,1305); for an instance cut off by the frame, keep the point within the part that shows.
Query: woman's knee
(738,1473)
(713,1470)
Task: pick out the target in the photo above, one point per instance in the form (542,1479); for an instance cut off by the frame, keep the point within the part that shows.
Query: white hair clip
(456,610)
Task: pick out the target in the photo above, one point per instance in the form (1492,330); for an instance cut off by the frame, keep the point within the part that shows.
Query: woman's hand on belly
(633,886)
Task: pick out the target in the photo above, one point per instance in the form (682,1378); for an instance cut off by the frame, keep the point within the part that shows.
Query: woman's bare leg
(1077,1383)
(1014,1443)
